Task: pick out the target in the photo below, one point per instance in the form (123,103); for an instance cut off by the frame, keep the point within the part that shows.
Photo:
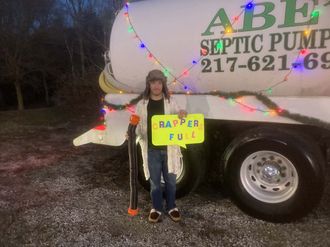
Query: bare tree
(79,11)
(51,44)
(83,13)
(19,20)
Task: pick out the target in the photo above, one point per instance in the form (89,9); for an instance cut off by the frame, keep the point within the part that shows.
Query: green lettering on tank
(290,14)
(249,16)
(224,21)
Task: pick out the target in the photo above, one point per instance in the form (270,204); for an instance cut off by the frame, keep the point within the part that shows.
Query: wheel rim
(269,176)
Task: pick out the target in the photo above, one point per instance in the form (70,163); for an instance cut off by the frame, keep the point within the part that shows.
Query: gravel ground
(54,194)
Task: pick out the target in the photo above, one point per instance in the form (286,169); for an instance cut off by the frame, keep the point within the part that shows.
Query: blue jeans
(157,164)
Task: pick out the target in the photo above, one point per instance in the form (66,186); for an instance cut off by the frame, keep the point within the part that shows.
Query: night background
(51,51)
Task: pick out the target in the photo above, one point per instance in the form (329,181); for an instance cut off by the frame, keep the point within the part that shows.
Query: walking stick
(133,165)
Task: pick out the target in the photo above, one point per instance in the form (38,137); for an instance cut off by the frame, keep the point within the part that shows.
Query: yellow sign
(171,130)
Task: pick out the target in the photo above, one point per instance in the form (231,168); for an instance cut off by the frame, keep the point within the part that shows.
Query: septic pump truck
(259,73)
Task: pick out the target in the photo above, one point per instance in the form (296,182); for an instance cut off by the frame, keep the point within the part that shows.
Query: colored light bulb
(219,45)
(315,14)
(204,52)
(296,65)
(249,5)
(273,113)
(279,110)
(307,32)
(231,101)
(303,51)
(166,72)
(229,30)
(239,100)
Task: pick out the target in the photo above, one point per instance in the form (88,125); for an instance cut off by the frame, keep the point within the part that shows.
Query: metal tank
(280,47)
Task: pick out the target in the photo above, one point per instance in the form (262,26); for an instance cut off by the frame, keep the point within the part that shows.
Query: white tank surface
(278,46)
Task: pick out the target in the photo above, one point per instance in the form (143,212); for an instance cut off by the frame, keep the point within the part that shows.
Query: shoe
(174,215)
(154,216)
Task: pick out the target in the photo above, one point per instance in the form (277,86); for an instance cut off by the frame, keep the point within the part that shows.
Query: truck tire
(191,174)
(275,175)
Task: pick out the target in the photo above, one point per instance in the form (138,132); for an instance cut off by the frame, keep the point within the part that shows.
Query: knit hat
(156,75)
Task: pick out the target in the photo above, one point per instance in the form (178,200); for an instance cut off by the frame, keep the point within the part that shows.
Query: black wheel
(275,175)
(190,175)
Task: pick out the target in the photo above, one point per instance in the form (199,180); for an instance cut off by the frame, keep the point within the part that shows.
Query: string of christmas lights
(229,29)
(235,98)
(303,52)
(167,72)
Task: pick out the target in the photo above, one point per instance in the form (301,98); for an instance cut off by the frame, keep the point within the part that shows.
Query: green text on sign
(171,130)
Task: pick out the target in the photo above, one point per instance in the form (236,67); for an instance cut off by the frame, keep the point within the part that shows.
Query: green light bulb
(166,72)
(315,13)
(231,101)
(219,46)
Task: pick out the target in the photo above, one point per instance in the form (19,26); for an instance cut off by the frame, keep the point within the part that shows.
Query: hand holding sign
(171,130)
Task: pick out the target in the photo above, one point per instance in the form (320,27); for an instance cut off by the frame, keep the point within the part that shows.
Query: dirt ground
(55,194)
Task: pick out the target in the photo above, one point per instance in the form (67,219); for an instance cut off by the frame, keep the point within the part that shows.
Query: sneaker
(174,215)
(154,216)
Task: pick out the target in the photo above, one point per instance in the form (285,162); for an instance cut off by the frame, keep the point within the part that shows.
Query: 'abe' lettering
(264,11)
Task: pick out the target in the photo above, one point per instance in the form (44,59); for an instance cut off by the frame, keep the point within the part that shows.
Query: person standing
(158,160)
